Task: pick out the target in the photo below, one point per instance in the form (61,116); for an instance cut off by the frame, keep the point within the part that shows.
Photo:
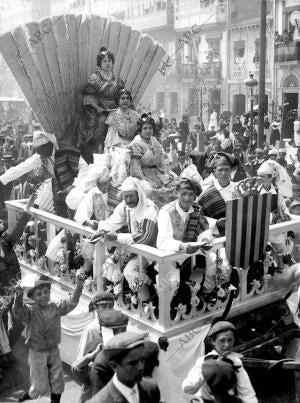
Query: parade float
(52,60)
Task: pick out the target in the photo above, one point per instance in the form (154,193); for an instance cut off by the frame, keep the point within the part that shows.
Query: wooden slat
(63,57)
(138,58)
(39,56)
(122,50)
(127,61)
(50,46)
(106,33)
(97,26)
(32,72)
(146,62)
(11,54)
(84,50)
(73,45)
(158,57)
(114,37)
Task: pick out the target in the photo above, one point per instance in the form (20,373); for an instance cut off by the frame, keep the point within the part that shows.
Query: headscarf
(40,138)
(279,174)
(133,184)
(98,173)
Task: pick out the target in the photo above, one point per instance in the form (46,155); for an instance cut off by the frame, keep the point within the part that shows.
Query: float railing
(246,294)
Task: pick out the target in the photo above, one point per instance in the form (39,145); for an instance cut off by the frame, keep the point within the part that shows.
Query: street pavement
(16,379)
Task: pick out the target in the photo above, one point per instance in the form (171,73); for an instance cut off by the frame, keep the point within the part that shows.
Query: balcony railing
(187,70)
(194,13)
(287,52)
(212,70)
(248,295)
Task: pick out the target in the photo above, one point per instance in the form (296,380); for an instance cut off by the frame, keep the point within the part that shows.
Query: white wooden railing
(167,280)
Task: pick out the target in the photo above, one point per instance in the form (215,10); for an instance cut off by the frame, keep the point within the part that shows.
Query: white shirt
(227,192)
(21,169)
(165,238)
(195,380)
(131,394)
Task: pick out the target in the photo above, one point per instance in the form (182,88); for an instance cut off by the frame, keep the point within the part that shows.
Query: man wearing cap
(181,223)
(93,207)
(178,168)
(199,380)
(273,154)
(222,189)
(44,143)
(94,377)
(281,157)
(125,354)
(139,215)
(26,146)
(258,160)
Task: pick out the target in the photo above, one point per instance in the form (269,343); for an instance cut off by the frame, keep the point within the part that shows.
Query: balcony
(188,13)
(186,71)
(287,52)
(212,70)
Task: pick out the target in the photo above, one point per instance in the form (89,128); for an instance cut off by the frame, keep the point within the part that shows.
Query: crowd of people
(137,178)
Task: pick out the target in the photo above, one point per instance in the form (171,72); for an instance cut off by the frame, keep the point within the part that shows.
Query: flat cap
(123,342)
(103,298)
(220,326)
(113,319)
(259,150)
(219,375)
(221,159)
(273,151)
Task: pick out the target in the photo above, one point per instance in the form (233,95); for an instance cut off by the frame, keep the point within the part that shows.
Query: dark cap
(101,298)
(219,375)
(113,319)
(123,342)
(259,150)
(221,159)
(220,326)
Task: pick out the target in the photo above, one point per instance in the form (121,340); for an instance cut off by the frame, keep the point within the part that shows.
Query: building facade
(287,63)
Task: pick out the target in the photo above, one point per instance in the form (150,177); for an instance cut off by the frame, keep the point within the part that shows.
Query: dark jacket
(9,265)
(101,373)
(148,390)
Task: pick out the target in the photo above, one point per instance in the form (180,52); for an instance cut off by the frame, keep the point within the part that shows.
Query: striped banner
(247,229)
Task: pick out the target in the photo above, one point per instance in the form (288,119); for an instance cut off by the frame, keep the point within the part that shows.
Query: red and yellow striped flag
(247,229)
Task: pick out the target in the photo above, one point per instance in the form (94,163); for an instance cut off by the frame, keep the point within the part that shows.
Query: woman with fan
(102,91)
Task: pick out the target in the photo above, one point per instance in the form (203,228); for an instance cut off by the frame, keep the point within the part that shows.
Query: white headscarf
(279,174)
(133,184)
(40,138)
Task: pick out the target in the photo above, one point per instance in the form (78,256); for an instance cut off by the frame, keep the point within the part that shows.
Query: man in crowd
(125,354)
(213,199)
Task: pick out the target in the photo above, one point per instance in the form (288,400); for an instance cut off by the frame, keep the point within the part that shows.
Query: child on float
(42,321)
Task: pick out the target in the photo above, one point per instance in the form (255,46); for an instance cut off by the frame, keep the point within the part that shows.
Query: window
(239,52)
(174,103)
(187,53)
(193,99)
(160,101)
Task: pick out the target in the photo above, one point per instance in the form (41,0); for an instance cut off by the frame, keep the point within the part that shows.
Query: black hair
(145,119)
(124,91)
(104,53)
(194,186)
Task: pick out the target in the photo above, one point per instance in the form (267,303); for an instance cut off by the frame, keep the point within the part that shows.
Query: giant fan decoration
(53,58)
